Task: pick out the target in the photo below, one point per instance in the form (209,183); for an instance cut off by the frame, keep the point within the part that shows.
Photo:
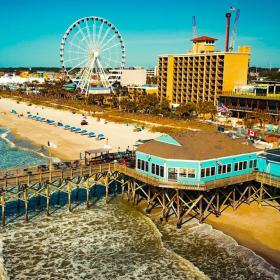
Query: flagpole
(50,159)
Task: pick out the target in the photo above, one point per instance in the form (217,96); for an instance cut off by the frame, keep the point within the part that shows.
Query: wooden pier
(182,201)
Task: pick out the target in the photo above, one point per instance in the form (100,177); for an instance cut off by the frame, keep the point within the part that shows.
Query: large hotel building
(203,74)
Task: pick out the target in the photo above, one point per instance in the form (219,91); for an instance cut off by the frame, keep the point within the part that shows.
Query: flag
(221,108)
(231,8)
(52,145)
(251,133)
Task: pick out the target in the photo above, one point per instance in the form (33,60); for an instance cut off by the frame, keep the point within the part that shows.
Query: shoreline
(254,240)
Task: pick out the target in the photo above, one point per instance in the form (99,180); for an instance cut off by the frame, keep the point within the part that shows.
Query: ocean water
(117,241)
(17,152)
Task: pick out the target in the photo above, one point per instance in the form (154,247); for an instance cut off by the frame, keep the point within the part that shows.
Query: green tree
(185,110)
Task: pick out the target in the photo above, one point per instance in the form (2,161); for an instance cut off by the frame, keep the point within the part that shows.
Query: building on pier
(269,162)
(196,157)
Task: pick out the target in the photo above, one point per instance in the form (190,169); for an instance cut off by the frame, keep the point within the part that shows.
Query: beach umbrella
(101,136)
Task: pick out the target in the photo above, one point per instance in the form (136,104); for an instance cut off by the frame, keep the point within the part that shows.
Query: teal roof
(168,140)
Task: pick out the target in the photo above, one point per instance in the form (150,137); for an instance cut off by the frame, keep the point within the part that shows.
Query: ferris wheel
(90,48)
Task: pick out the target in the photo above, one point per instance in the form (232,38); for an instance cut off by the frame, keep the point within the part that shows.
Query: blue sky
(31,30)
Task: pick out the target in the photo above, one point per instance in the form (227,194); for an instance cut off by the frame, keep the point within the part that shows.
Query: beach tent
(43,120)
(13,111)
(77,130)
(59,124)
(84,132)
(91,134)
(67,127)
(73,128)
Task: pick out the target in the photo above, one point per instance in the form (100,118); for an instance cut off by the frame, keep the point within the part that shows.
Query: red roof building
(203,39)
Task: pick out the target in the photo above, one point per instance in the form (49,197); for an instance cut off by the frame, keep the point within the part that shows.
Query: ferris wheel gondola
(90,47)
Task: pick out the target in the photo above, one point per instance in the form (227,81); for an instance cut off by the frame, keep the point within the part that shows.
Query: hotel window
(153,168)
(202,173)
(142,165)
(242,165)
(191,173)
(229,168)
(212,171)
(161,171)
(183,172)
(157,170)
(172,174)
(207,171)
(225,168)
(255,163)
(251,164)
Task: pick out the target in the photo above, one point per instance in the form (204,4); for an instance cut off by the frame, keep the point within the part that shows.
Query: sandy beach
(69,144)
(251,226)
(257,228)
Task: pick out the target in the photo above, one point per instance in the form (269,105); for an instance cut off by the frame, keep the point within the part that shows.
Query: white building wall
(135,77)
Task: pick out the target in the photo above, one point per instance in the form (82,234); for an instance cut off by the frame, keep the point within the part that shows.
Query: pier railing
(34,174)
(268,179)
(196,185)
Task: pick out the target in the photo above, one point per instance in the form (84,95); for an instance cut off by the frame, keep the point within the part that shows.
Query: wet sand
(257,228)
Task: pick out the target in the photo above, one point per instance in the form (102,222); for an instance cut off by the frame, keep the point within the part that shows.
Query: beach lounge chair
(91,134)
(101,136)
(84,132)
(67,127)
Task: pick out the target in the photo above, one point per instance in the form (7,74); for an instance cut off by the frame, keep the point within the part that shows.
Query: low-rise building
(146,89)
(128,77)
(196,157)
